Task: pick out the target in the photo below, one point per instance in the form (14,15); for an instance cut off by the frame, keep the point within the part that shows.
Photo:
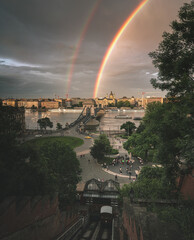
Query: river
(55,115)
(108,121)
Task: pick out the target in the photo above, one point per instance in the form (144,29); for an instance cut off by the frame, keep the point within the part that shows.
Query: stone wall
(138,224)
(187,186)
(33,218)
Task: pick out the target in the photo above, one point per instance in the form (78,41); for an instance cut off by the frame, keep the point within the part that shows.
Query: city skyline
(38,42)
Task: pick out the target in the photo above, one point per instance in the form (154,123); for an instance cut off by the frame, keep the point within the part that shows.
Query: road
(90,168)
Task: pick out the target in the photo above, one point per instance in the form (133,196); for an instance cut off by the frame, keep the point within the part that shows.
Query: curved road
(90,168)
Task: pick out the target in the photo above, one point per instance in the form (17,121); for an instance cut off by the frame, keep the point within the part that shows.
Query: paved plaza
(91,169)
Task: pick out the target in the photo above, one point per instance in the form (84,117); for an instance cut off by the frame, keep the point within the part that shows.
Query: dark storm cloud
(38,40)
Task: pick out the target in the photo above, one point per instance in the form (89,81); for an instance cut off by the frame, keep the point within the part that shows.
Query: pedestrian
(107,167)
(120,170)
(116,178)
(88,160)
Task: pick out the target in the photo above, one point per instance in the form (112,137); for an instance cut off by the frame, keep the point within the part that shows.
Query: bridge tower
(88,106)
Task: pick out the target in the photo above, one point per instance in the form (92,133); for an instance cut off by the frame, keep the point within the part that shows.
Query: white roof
(106,209)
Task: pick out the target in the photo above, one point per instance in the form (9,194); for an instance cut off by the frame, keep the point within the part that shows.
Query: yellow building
(139,102)
(103,102)
(49,104)
(28,103)
(9,102)
(147,100)
(131,100)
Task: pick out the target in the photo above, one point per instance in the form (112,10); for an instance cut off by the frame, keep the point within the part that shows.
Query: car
(38,135)
(87,137)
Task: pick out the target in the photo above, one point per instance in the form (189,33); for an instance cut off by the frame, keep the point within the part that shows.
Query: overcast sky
(38,39)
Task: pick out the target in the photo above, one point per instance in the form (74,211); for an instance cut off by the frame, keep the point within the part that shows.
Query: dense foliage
(45,168)
(101,148)
(151,184)
(166,134)
(44,123)
(123,104)
(129,127)
(175,54)
(59,126)
(80,104)
(182,215)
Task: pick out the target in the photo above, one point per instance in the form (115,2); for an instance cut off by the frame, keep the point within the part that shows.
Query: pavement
(90,167)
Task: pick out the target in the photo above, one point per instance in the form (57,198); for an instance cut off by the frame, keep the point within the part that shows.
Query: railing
(83,118)
(113,230)
(78,119)
(67,235)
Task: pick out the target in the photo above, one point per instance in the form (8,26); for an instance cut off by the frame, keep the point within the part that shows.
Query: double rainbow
(113,43)
(78,45)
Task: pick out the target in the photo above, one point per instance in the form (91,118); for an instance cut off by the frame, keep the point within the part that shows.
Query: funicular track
(96,231)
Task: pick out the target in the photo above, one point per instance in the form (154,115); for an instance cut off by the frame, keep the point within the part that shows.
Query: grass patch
(73,142)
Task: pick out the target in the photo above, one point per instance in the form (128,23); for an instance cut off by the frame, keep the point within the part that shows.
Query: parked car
(38,135)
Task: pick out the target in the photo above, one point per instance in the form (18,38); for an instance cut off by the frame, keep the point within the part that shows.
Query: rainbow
(113,43)
(78,45)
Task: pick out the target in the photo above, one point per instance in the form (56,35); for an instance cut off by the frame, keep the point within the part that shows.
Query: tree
(59,126)
(167,138)
(111,105)
(127,104)
(63,170)
(175,54)
(80,104)
(150,184)
(30,171)
(44,123)
(129,127)
(33,107)
(101,148)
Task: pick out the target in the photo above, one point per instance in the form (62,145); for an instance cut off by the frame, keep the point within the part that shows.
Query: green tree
(33,107)
(129,127)
(101,148)
(63,170)
(127,104)
(111,105)
(44,123)
(151,184)
(80,104)
(120,104)
(59,126)
(175,54)
(167,137)
(32,171)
